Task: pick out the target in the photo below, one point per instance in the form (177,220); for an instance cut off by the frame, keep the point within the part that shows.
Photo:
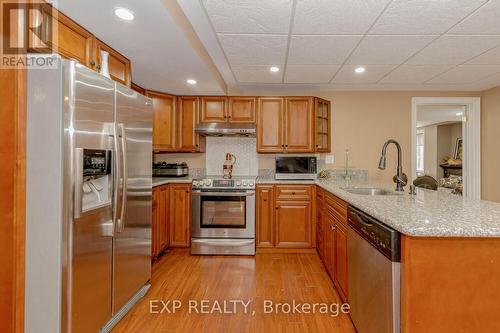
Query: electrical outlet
(329,159)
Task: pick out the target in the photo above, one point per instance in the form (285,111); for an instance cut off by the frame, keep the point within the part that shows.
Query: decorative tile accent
(245,150)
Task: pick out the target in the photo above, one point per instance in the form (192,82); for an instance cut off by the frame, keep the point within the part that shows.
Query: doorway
(446,143)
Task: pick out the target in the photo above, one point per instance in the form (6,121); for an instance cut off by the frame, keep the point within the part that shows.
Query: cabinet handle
(293,193)
(286,146)
(264,200)
(332,227)
(92,62)
(276,207)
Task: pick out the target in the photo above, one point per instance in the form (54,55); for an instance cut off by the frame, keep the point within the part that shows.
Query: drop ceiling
(403,44)
(162,56)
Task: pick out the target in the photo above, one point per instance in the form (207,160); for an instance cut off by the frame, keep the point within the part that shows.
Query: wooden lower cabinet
(160,226)
(329,247)
(180,215)
(265,216)
(282,222)
(332,243)
(341,260)
(171,218)
(293,224)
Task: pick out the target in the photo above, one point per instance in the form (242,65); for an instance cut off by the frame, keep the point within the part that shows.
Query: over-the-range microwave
(295,167)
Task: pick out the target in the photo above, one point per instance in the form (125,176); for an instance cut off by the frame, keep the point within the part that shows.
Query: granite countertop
(157,181)
(427,214)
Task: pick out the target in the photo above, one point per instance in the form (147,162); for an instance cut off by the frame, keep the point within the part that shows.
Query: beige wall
(490,144)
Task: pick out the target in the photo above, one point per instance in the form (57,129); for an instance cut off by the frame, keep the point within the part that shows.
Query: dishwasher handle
(382,237)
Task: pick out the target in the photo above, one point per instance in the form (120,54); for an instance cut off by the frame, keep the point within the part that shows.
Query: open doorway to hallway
(446,144)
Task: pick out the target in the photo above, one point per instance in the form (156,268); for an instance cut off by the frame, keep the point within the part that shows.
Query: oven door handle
(223,194)
(224,244)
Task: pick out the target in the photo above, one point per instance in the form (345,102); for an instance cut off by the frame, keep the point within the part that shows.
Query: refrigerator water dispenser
(93,180)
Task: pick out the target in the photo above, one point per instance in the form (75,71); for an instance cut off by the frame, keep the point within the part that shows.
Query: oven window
(223,212)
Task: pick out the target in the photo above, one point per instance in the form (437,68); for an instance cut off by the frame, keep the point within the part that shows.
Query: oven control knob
(245,182)
(195,183)
(251,183)
(207,182)
(238,183)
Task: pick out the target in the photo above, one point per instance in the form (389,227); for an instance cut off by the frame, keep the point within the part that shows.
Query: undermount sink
(369,191)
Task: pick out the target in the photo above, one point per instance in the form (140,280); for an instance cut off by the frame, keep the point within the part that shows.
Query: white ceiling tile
(414,74)
(454,50)
(386,50)
(310,74)
(336,16)
(305,50)
(492,57)
(249,16)
(372,74)
(466,74)
(423,16)
(488,83)
(256,74)
(254,49)
(485,20)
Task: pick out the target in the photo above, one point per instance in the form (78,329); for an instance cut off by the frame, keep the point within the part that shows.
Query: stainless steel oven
(223,216)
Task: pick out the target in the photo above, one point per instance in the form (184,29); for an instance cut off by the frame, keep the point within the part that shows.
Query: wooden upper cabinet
(293,224)
(180,215)
(72,41)
(299,124)
(119,66)
(138,88)
(164,121)
(265,216)
(213,109)
(323,125)
(188,118)
(241,109)
(270,115)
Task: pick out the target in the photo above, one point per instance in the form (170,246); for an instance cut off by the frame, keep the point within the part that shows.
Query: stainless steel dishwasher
(373,251)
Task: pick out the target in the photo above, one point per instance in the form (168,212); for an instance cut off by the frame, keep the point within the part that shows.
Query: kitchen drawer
(336,204)
(294,192)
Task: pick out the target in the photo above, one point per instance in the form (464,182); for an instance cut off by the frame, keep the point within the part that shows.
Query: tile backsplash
(245,150)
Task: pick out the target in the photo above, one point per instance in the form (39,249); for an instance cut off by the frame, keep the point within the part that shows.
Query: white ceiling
(162,57)
(439,114)
(404,44)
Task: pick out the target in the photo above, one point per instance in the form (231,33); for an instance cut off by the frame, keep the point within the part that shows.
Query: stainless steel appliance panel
(222,246)
(89,102)
(132,242)
(221,231)
(373,275)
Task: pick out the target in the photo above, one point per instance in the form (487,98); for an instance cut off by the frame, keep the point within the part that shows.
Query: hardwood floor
(278,278)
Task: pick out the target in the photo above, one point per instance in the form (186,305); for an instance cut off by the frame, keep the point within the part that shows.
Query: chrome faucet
(400,177)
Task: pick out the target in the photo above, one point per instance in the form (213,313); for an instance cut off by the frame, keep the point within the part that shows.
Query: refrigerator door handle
(123,140)
(78,183)
(117,177)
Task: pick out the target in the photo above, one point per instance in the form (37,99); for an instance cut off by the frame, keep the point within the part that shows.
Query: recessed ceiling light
(459,114)
(360,70)
(274,69)
(124,14)
(191,81)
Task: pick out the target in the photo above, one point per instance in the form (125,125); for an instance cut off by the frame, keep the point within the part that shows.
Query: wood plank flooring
(274,277)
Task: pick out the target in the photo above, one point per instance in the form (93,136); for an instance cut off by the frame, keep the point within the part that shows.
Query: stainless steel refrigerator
(88,222)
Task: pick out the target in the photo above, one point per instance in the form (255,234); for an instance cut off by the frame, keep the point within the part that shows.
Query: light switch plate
(329,159)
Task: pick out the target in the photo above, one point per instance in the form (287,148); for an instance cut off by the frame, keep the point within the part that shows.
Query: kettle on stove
(227,168)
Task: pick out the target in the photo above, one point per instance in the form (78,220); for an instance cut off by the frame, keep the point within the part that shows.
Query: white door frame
(471,130)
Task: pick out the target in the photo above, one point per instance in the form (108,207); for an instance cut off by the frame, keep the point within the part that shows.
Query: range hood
(225,129)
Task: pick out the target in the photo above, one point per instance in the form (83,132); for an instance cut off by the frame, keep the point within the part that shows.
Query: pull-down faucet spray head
(381,163)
